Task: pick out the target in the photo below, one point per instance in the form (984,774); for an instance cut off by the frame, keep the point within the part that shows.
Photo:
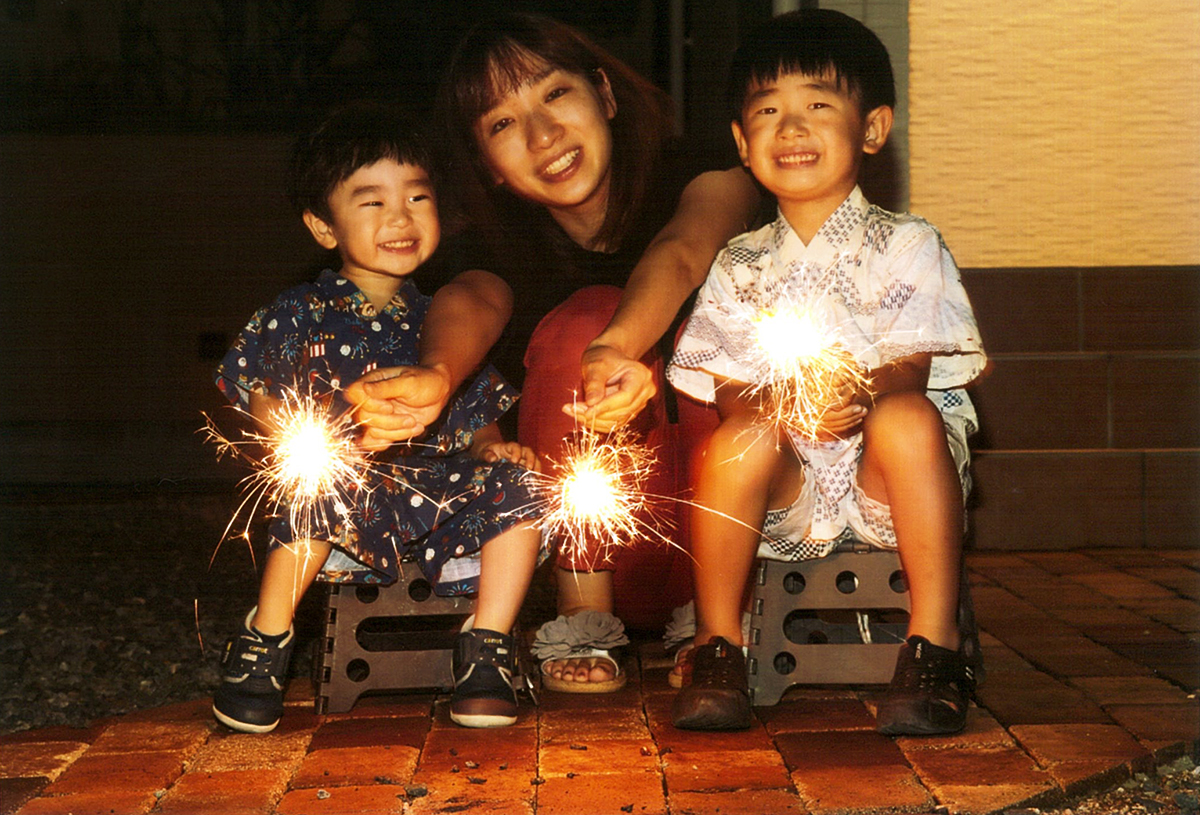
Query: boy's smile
(804,137)
(384,223)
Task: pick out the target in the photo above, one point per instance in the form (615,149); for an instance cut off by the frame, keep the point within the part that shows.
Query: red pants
(650,578)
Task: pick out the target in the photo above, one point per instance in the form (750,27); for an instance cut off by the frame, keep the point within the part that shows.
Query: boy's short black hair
(352,136)
(813,42)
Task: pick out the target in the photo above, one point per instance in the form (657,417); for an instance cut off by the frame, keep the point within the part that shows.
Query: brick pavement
(1093,668)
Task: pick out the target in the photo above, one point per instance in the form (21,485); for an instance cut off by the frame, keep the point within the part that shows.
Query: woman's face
(549,140)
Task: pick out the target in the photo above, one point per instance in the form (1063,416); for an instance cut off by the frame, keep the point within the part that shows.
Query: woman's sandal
(592,635)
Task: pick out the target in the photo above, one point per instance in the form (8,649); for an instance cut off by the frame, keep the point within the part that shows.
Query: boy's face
(384,223)
(803,137)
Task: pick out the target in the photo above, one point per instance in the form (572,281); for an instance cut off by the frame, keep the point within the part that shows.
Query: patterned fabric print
(319,336)
(884,284)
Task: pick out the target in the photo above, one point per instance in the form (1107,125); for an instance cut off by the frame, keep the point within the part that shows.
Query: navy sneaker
(484,663)
(718,695)
(929,692)
(253,666)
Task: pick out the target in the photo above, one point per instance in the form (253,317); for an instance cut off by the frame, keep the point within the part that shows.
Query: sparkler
(597,495)
(808,371)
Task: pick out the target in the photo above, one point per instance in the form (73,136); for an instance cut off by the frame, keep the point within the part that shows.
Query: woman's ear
(606,94)
(321,231)
(879,125)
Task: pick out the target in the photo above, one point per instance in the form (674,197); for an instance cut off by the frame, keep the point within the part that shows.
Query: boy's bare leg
(743,470)
(288,573)
(582,591)
(907,465)
(506,567)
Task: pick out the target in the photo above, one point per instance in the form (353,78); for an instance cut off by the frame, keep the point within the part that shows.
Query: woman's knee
(903,420)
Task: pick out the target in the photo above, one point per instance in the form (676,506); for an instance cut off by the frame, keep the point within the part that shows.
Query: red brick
(1180,614)
(195,711)
(610,756)
(715,770)
(96,802)
(124,772)
(1133,690)
(1075,656)
(1121,586)
(1032,697)
(85,735)
(807,752)
(133,736)
(1055,743)
(568,725)
(349,766)
(480,783)
(602,795)
(240,792)
(995,797)
(745,802)
(1062,562)
(435,804)
(32,759)
(977,766)
(391,705)
(488,748)
(374,732)
(1083,777)
(226,752)
(857,788)
(1159,722)
(343,801)
(16,791)
(816,714)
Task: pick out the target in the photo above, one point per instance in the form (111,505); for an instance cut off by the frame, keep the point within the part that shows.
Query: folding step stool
(840,619)
(398,636)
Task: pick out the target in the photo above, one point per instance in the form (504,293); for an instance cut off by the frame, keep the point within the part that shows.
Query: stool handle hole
(784,663)
(794,582)
(366,593)
(847,582)
(357,670)
(898,582)
(420,590)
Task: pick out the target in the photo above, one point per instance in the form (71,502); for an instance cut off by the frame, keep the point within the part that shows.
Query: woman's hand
(615,389)
(397,404)
(511,451)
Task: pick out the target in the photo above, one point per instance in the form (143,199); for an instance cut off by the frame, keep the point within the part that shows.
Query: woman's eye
(499,125)
(557,92)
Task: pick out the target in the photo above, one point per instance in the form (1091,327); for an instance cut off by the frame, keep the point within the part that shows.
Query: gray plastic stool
(839,619)
(398,636)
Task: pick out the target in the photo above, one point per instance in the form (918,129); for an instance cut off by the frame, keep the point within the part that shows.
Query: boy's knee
(906,419)
(753,447)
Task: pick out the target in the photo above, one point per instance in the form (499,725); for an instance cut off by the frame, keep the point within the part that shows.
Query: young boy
(810,94)
(456,498)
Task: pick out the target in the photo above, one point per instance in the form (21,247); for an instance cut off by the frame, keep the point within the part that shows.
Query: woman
(559,152)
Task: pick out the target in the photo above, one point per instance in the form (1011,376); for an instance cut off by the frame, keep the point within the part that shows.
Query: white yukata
(888,287)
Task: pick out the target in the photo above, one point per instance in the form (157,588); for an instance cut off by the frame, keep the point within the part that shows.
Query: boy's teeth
(561,164)
(399,244)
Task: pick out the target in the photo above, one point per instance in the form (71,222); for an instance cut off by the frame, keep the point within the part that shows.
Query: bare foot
(589,669)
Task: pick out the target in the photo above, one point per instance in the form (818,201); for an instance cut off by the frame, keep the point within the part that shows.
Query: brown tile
(816,714)
(516,747)
(1181,581)
(742,802)
(1056,500)
(95,802)
(394,705)
(1173,498)
(1141,309)
(250,751)
(602,795)
(1159,722)
(48,759)
(611,756)
(343,801)
(982,766)
(1043,403)
(1063,562)
(1121,586)
(1055,743)
(484,783)
(16,791)
(372,732)
(350,766)
(226,793)
(715,770)
(1076,656)
(1025,309)
(849,788)
(996,798)
(1083,777)
(196,711)
(132,736)
(1180,614)
(1154,402)
(1032,697)
(1178,661)
(80,735)
(119,772)
(806,752)
(1129,690)
(569,725)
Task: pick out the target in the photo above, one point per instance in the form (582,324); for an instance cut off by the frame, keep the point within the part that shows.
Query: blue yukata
(432,500)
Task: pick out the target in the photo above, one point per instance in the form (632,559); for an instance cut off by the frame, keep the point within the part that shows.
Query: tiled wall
(1091,413)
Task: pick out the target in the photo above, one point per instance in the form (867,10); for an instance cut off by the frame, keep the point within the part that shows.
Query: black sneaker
(250,698)
(929,692)
(718,696)
(483,667)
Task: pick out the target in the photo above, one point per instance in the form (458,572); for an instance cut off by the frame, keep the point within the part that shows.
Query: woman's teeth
(561,163)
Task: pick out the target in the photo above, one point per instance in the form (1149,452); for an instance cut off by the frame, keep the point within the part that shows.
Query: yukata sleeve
(474,406)
(924,309)
(716,341)
(267,355)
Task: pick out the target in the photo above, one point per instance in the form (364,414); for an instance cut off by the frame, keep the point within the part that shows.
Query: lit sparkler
(596,497)
(808,371)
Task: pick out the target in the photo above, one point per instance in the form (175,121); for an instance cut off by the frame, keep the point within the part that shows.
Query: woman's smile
(561,164)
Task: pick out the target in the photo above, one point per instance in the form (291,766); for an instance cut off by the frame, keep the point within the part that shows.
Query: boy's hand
(397,404)
(845,417)
(491,452)
(615,389)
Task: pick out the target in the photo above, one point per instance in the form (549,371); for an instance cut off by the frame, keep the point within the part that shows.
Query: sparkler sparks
(596,499)
(808,371)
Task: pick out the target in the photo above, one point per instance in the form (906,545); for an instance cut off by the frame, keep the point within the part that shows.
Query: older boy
(810,94)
